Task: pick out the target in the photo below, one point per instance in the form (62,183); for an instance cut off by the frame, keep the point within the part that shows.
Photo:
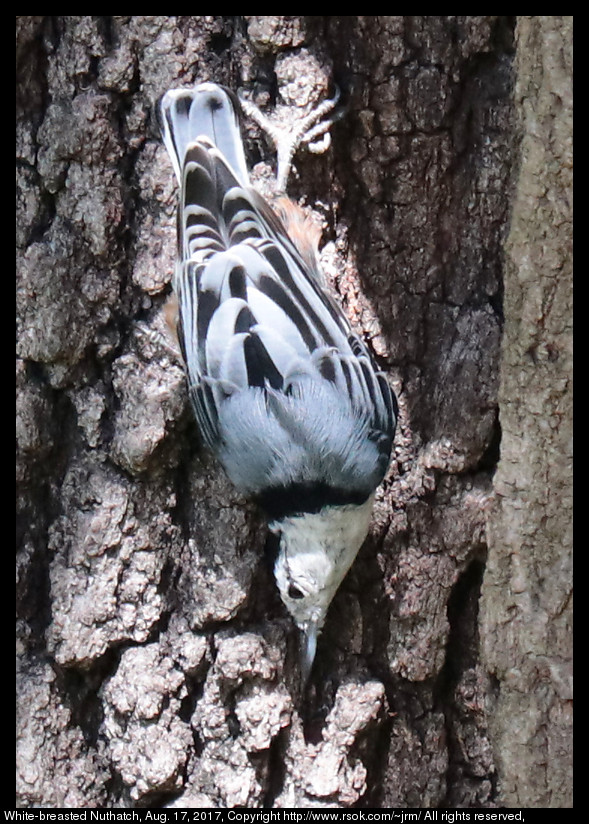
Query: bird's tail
(206,111)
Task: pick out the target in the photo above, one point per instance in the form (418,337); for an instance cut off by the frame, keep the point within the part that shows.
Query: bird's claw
(311,131)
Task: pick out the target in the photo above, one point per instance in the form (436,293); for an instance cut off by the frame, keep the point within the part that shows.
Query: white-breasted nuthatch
(286,395)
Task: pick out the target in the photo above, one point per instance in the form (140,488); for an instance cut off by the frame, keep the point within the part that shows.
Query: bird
(285,394)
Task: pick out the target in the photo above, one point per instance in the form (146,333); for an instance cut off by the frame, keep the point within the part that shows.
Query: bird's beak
(311,633)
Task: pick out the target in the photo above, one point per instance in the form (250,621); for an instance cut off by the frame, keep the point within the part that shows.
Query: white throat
(316,551)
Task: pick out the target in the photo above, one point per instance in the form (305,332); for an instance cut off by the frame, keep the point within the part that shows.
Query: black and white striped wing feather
(284,392)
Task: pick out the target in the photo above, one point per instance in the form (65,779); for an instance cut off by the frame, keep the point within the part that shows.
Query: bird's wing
(275,372)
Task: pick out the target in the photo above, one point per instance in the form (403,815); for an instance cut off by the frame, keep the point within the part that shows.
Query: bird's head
(315,552)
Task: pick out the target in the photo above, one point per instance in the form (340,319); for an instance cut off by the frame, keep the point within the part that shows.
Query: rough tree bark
(156,665)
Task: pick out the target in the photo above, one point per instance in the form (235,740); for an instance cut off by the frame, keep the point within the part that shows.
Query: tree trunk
(156,664)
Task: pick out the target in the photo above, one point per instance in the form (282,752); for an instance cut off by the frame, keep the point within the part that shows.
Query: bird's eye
(294,592)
